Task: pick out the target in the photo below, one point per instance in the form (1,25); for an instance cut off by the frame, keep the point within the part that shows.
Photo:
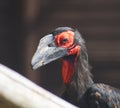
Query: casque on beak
(47,52)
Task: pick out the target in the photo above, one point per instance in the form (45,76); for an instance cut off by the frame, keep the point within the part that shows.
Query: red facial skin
(66,40)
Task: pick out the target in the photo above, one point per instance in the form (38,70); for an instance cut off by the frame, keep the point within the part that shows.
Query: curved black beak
(47,52)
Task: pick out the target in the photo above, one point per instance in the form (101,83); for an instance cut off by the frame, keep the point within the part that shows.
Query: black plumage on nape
(80,88)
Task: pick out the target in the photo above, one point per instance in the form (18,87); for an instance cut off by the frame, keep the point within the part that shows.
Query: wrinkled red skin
(68,67)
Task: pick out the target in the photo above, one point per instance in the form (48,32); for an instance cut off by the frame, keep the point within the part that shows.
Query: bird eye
(65,40)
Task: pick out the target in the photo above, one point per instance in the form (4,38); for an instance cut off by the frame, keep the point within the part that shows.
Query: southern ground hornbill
(67,43)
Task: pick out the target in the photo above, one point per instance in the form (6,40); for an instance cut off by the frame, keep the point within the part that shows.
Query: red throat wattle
(68,67)
(66,40)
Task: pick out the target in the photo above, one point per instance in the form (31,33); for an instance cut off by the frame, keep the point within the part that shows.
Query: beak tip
(34,68)
(36,65)
(33,63)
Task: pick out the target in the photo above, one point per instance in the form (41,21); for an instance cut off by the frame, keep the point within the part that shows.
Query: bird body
(68,44)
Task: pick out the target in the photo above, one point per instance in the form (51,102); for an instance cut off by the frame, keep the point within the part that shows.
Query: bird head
(63,42)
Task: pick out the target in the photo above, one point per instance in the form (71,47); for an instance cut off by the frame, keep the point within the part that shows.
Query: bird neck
(68,68)
(76,75)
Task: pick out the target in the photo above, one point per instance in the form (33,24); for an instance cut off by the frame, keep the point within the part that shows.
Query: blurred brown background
(24,22)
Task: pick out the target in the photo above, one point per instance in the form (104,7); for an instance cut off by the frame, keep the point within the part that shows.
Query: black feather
(82,91)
